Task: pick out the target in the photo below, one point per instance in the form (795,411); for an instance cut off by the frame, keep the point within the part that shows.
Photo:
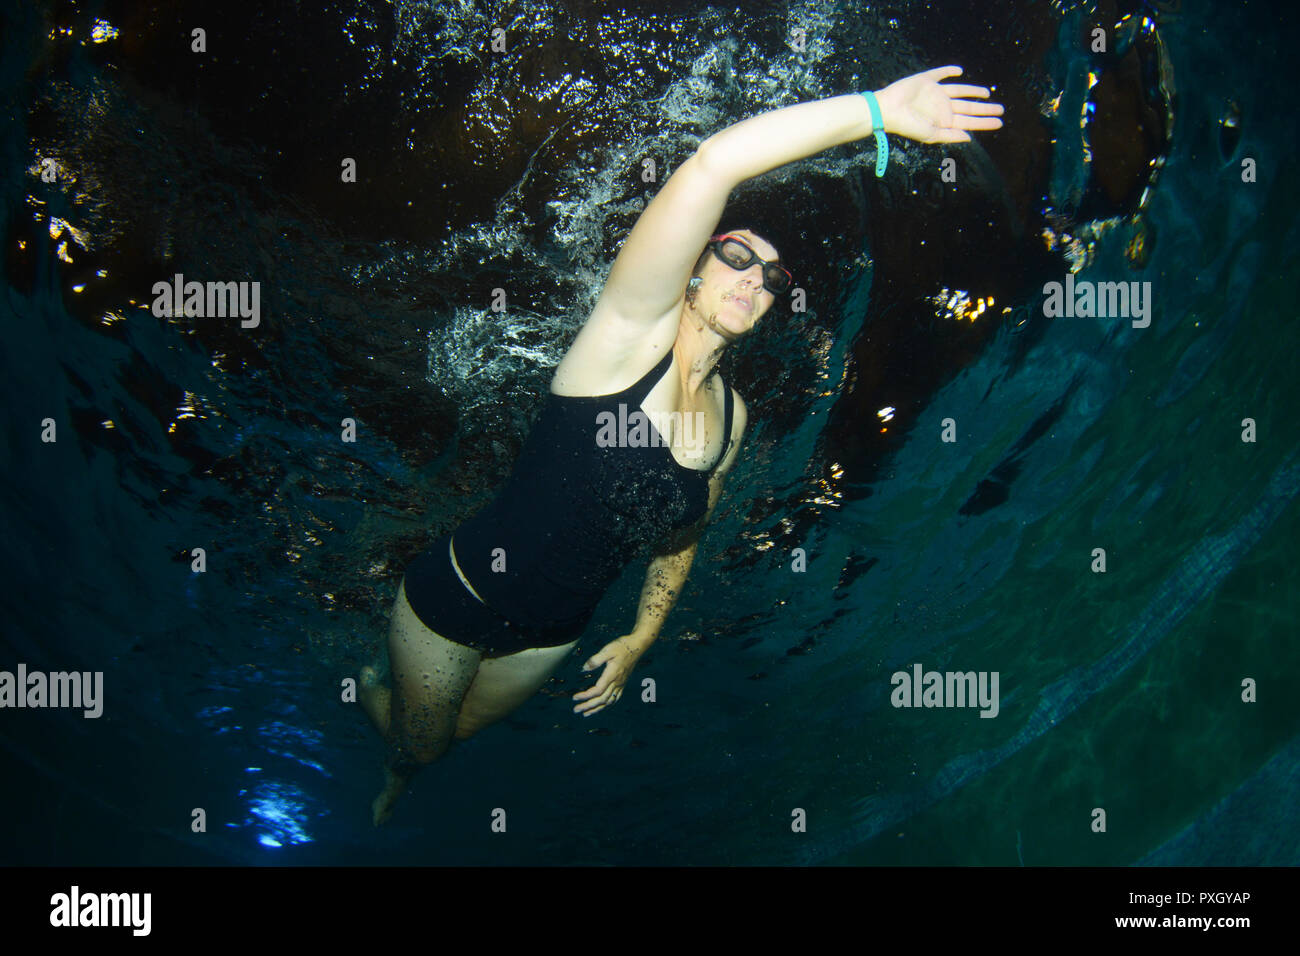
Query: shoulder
(609,354)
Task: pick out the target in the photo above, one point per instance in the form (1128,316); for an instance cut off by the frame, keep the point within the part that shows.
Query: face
(732,300)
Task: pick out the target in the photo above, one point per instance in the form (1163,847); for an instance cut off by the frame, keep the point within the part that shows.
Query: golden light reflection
(1084,113)
(1080,249)
(191,406)
(956,304)
(102,31)
(61,227)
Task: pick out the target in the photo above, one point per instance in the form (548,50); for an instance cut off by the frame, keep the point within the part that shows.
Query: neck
(698,348)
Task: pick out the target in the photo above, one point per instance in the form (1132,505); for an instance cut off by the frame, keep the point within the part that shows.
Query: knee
(410,754)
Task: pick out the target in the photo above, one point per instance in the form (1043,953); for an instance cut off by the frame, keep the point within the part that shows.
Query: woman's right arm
(649,275)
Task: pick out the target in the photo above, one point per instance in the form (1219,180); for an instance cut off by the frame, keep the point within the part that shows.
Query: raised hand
(921,108)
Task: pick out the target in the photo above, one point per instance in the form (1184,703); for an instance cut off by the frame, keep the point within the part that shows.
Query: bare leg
(375,699)
(505,683)
(430,677)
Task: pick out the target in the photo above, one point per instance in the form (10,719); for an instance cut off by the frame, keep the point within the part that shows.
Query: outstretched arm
(916,107)
(668,570)
(663,583)
(651,270)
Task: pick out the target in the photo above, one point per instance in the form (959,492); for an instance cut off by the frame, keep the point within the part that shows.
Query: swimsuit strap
(633,395)
(637,392)
(726,425)
(726,414)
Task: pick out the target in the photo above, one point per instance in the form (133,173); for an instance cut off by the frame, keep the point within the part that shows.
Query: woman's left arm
(663,583)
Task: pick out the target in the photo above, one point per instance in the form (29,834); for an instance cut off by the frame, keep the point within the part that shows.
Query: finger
(950,136)
(976,109)
(977,123)
(590,707)
(942,72)
(594,691)
(610,694)
(598,705)
(589,693)
(600,687)
(955,90)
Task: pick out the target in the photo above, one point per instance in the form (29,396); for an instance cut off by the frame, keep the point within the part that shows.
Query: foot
(382,807)
(375,698)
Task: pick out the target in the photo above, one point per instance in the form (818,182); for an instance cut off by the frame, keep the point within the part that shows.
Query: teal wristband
(878,129)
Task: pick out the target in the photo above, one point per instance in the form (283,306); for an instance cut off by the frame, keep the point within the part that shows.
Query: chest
(691,430)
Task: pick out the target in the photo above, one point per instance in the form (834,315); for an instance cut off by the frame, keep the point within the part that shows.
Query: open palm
(919,108)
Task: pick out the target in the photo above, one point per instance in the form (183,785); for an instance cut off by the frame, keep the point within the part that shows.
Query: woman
(485,615)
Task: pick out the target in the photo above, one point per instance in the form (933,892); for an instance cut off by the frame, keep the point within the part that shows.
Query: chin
(736,325)
(739,331)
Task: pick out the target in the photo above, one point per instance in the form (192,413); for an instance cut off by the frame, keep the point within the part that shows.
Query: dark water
(521,170)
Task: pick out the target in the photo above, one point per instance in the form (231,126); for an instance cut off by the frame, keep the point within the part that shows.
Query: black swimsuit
(574,512)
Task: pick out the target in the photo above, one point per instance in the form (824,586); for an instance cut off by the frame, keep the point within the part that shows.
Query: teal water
(1119,690)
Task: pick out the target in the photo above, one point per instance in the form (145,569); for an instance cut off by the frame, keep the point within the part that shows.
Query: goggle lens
(739,256)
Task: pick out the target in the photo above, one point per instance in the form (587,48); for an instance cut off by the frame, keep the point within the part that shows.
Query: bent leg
(431,675)
(375,699)
(503,683)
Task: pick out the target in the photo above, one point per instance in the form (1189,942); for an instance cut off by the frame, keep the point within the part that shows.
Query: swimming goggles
(735,253)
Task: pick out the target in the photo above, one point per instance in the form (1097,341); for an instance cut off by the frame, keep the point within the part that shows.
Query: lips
(746,302)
